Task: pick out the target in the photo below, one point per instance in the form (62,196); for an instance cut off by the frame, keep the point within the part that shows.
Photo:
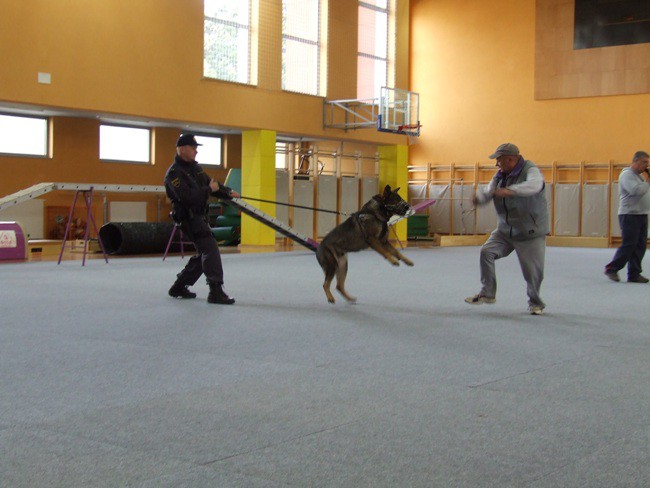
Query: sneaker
(638,279)
(181,291)
(612,275)
(478,299)
(535,310)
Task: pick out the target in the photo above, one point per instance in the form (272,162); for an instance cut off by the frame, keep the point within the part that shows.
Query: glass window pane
(236,11)
(299,67)
(210,150)
(117,143)
(380,77)
(300,46)
(300,19)
(372,64)
(281,149)
(365,78)
(226,40)
(23,135)
(373,32)
(376,3)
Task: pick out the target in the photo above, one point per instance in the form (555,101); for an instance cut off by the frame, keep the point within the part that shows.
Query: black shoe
(638,279)
(612,275)
(217,295)
(180,291)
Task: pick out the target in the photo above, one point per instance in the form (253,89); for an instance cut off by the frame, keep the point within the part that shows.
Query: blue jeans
(634,231)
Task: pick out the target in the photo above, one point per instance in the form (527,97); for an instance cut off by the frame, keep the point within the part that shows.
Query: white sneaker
(535,310)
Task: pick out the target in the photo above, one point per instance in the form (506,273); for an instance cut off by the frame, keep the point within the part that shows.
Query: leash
(293,205)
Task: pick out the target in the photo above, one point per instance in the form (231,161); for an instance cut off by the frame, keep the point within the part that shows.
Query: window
(227,40)
(119,143)
(373,61)
(281,155)
(209,151)
(301,46)
(23,135)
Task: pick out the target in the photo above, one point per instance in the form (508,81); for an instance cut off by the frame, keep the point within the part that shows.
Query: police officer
(189,188)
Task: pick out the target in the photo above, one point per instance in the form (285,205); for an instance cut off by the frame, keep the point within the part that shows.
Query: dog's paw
(395,263)
(407,262)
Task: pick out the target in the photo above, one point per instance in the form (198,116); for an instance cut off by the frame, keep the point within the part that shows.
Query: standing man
(189,188)
(517,191)
(633,208)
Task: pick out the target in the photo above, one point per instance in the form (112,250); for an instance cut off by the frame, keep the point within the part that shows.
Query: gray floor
(107,382)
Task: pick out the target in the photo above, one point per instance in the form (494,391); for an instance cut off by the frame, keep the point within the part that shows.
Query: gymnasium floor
(107,382)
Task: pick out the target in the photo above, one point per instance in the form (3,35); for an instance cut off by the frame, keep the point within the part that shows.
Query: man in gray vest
(633,208)
(517,191)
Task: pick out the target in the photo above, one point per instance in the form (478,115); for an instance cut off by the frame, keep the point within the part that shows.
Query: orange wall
(472,61)
(145,58)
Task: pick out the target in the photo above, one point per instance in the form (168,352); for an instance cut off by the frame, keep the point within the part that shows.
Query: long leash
(293,205)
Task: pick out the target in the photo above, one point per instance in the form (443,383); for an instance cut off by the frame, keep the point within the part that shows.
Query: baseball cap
(187,140)
(505,149)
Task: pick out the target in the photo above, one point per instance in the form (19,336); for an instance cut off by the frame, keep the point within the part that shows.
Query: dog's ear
(387,190)
(396,190)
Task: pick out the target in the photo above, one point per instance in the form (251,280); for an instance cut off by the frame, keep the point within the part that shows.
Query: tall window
(119,143)
(227,40)
(23,135)
(301,46)
(373,54)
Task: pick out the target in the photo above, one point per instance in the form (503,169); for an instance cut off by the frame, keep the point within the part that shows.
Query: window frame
(47,134)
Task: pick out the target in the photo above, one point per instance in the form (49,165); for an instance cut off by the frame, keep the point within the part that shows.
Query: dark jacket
(188,188)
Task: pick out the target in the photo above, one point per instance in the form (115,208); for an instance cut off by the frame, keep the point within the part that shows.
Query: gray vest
(521,218)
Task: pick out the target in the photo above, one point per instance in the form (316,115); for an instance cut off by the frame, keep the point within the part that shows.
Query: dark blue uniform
(188,188)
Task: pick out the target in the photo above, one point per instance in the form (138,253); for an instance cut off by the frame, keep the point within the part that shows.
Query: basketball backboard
(399,111)
(396,111)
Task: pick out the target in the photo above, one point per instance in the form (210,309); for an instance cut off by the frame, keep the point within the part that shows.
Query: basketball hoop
(411,131)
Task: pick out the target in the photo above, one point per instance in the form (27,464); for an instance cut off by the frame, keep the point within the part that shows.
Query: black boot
(217,295)
(178,290)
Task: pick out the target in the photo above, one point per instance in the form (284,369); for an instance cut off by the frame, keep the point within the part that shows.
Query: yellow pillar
(258,181)
(393,171)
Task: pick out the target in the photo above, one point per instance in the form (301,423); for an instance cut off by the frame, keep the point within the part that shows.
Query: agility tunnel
(135,237)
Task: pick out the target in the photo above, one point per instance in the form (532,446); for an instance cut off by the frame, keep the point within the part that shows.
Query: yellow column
(393,171)
(258,181)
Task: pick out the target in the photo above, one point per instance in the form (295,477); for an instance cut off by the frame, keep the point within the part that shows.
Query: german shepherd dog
(366,228)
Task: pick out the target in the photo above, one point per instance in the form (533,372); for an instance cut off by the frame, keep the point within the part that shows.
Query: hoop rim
(409,129)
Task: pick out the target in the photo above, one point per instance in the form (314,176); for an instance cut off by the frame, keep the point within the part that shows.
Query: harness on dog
(357,218)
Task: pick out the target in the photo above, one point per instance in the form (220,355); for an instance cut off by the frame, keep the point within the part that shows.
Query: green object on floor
(417,225)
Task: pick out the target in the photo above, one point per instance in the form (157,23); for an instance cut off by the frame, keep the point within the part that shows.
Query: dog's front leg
(381,249)
(392,250)
(400,256)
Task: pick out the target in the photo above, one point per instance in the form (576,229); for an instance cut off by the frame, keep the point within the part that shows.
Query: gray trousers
(531,259)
